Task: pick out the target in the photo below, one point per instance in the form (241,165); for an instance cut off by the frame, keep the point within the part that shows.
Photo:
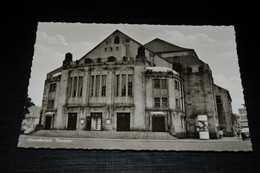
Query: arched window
(111,59)
(116,41)
(99,60)
(124,58)
(88,61)
(141,51)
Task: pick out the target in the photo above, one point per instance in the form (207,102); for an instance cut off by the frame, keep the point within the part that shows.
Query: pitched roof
(158,45)
(116,31)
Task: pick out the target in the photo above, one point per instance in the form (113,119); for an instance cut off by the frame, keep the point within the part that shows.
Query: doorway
(123,122)
(48,120)
(96,122)
(158,124)
(72,121)
(88,124)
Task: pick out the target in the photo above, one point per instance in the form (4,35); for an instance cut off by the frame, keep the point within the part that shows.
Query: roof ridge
(159,39)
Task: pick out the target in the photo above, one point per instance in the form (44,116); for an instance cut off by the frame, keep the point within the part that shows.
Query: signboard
(203,126)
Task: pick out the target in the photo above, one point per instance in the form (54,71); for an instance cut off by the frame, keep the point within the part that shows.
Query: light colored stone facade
(122,85)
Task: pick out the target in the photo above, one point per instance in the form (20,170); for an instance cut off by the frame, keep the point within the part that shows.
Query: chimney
(68,59)
(140,57)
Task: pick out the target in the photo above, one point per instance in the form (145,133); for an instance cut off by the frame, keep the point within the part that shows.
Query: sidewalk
(105,134)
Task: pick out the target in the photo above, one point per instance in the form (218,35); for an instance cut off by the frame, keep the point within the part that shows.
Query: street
(224,144)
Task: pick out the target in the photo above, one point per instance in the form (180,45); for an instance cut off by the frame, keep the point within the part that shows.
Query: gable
(116,45)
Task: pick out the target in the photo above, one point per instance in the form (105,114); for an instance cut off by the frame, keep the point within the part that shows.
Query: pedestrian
(238,133)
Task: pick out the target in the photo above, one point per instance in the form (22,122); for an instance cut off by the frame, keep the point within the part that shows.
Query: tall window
(177,103)
(70,87)
(164,102)
(92,86)
(52,87)
(123,85)
(75,80)
(50,104)
(130,85)
(103,84)
(163,84)
(156,83)
(177,85)
(117,85)
(80,86)
(116,41)
(157,102)
(97,85)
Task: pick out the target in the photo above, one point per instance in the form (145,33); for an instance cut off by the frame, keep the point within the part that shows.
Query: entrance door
(158,124)
(88,124)
(97,123)
(48,121)
(123,122)
(72,121)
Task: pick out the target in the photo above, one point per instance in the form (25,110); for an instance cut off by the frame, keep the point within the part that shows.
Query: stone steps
(105,134)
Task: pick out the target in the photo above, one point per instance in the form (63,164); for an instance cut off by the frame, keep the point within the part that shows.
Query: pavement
(130,141)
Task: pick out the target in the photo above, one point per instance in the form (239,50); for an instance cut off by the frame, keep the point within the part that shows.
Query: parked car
(245,133)
(28,131)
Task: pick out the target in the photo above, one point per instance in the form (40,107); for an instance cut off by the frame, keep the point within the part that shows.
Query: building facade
(122,85)
(242,113)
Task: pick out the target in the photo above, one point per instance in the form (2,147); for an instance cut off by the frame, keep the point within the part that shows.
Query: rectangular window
(164,102)
(177,103)
(103,89)
(130,85)
(163,84)
(117,85)
(50,104)
(218,99)
(176,85)
(52,87)
(157,102)
(92,86)
(80,86)
(123,85)
(75,81)
(70,87)
(156,83)
(97,85)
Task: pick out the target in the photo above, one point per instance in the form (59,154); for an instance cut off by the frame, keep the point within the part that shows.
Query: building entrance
(48,120)
(72,121)
(123,122)
(158,124)
(96,121)
(88,124)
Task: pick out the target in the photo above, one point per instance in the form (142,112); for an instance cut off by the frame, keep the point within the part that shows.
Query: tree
(28,104)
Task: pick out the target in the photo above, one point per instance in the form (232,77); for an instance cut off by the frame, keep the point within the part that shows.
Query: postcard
(135,87)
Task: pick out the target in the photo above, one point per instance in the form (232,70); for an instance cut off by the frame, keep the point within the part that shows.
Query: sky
(215,45)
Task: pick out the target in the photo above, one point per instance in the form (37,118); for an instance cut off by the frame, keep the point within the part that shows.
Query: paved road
(224,144)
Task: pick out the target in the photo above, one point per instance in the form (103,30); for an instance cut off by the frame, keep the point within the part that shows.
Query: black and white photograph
(135,87)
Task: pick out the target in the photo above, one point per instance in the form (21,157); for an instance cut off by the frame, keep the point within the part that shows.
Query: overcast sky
(215,45)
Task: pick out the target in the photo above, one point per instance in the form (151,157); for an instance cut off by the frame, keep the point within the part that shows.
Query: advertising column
(203,126)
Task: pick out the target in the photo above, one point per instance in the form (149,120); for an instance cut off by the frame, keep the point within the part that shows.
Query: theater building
(122,85)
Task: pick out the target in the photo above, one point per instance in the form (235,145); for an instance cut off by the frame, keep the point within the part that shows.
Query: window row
(110,49)
(161,102)
(162,84)
(109,59)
